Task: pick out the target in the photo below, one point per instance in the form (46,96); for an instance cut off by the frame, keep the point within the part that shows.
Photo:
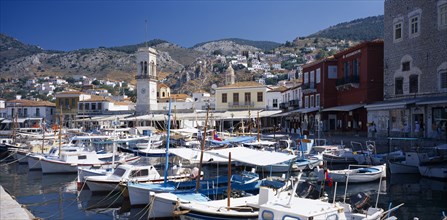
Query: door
(332,121)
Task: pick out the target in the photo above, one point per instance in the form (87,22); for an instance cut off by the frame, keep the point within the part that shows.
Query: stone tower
(229,75)
(146,81)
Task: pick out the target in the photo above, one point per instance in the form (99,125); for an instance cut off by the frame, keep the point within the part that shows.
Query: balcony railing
(295,102)
(241,104)
(308,86)
(284,105)
(146,77)
(348,80)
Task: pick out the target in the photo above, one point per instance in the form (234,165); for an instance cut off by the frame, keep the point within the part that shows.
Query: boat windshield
(119,172)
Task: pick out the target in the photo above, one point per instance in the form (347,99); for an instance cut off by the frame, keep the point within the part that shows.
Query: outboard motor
(360,201)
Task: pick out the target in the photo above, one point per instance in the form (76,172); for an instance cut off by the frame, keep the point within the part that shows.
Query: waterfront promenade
(383,143)
(10,209)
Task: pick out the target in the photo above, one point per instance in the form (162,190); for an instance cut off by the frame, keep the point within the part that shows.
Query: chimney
(18,97)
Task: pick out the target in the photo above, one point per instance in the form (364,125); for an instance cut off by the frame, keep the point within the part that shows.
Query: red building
(339,87)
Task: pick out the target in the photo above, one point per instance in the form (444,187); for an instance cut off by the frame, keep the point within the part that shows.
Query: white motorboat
(292,207)
(70,161)
(133,173)
(357,175)
(35,158)
(409,165)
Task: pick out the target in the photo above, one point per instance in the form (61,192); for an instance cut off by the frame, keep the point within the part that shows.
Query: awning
(394,104)
(20,120)
(433,100)
(343,108)
(254,157)
(307,110)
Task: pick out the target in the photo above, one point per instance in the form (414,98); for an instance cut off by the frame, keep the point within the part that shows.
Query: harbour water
(57,197)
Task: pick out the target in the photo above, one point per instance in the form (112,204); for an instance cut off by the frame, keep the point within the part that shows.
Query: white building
(274,97)
(146,81)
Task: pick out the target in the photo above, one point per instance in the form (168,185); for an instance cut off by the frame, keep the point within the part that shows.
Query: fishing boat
(360,174)
(433,170)
(134,173)
(70,161)
(293,207)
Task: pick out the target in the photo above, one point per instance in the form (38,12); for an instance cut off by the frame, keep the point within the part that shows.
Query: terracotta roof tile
(31,103)
(243,84)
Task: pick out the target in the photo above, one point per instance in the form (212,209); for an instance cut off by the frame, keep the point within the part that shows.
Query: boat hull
(402,167)
(437,171)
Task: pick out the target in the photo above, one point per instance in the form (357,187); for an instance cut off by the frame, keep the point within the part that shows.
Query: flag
(327,178)
(215,137)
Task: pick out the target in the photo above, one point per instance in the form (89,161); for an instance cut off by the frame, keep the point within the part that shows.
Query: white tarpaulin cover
(254,157)
(193,155)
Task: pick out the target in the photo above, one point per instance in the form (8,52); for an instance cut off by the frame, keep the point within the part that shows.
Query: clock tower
(146,81)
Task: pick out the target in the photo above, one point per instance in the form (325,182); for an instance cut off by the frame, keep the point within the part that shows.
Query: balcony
(284,105)
(347,83)
(152,77)
(309,88)
(295,103)
(241,105)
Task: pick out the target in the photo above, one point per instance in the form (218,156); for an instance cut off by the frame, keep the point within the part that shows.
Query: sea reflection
(56,197)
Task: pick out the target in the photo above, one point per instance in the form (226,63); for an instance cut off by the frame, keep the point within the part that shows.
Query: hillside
(369,28)
(11,48)
(261,45)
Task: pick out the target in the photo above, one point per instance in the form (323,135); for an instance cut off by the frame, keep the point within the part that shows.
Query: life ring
(371,148)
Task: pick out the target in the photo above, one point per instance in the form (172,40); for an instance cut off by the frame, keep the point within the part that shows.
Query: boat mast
(229,181)
(43,134)
(257,125)
(60,132)
(168,136)
(202,149)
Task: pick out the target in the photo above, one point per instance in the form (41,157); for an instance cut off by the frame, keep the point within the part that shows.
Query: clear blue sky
(69,25)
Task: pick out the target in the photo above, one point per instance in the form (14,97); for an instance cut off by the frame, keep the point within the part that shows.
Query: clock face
(143,91)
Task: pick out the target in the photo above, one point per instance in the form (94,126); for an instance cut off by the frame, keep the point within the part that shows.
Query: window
(138,173)
(224,97)
(306,102)
(275,103)
(306,79)
(318,75)
(442,16)
(443,79)
(317,100)
(406,66)
(398,31)
(312,77)
(25,112)
(414,25)
(236,98)
(87,106)
(37,112)
(100,106)
(73,102)
(355,68)
(260,97)
(145,68)
(267,215)
(163,94)
(414,84)
(93,106)
(312,103)
(346,69)
(247,98)
(81,106)
(399,86)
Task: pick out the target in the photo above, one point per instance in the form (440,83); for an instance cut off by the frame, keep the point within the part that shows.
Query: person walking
(417,128)
(373,130)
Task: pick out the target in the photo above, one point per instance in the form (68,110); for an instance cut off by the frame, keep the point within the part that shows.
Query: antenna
(146,33)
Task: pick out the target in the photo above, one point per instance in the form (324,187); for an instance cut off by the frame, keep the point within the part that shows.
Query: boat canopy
(253,157)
